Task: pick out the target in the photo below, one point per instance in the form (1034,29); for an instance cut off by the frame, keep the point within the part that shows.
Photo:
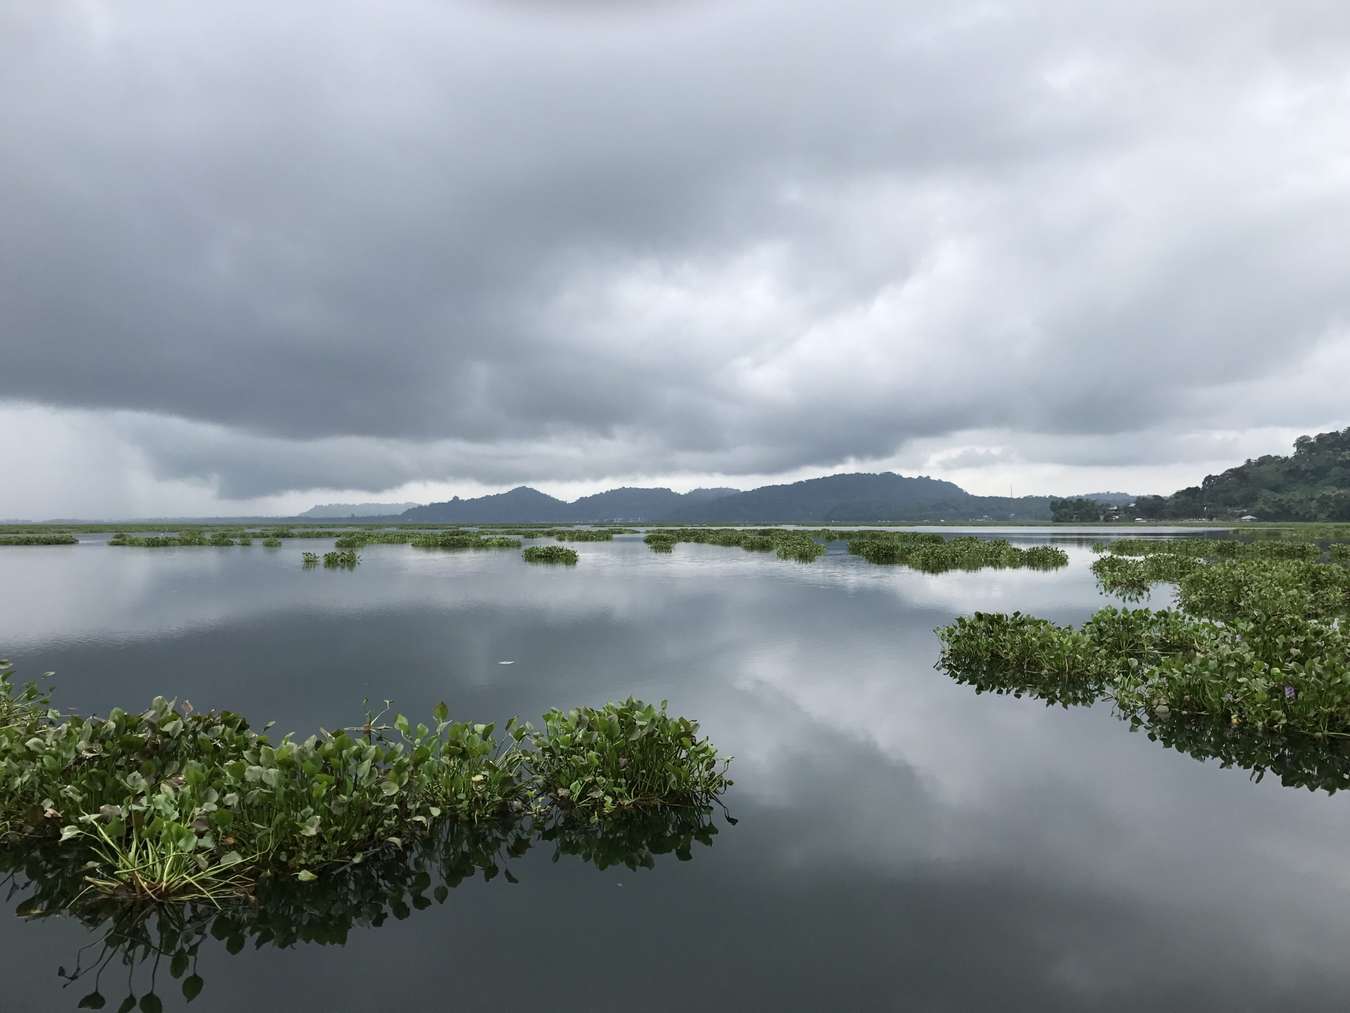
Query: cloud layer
(322,247)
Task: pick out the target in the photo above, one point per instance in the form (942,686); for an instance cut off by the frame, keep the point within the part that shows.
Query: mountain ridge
(860,497)
(526,505)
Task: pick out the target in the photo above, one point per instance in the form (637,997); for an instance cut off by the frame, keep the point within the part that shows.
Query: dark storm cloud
(351,247)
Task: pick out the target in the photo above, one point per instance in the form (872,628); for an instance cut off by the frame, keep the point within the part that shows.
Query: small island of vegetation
(39,538)
(1256,645)
(169,803)
(549,554)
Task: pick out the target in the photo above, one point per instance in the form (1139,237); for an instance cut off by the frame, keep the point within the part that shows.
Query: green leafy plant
(797,546)
(931,553)
(463,540)
(660,541)
(549,554)
(39,538)
(625,756)
(172,803)
(1258,643)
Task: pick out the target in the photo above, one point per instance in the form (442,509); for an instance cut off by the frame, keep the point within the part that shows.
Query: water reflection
(135,947)
(903,842)
(1298,761)
(1301,761)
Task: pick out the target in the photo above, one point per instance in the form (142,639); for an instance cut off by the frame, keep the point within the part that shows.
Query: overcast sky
(259,255)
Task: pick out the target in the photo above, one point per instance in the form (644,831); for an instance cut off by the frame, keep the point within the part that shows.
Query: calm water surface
(901,841)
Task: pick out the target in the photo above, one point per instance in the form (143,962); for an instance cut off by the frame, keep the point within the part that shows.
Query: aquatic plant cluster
(157,541)
(660,541)
(171,803)
(581,535)
(549,554)
(338,559)
(787,543)
(1256,646)
(931,553)
(796,545)
(927,551)
(450,538)
(463,540)
(1128,567)
(40,538)
(216,537)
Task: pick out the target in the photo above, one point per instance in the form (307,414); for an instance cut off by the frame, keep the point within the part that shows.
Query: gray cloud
(508,243)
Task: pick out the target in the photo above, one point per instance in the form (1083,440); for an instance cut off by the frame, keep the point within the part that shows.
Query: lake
(901,842)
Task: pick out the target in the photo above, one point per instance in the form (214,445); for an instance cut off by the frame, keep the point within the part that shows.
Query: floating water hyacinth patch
(595,761)
(549,554)
(660,541)
(171,803)
(463,540)
(1258,643)
(931,553)
(39,538)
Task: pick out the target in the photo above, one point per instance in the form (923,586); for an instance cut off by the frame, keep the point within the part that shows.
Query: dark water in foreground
(902,842)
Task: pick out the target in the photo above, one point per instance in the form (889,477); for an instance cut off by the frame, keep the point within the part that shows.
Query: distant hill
(523,505)
(716,492)
(1312,484)
(640,505)
(1109,498)
(344,510)
(834,499)
(863,499)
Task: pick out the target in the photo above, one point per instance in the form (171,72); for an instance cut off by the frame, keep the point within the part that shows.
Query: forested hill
(523,505)
(834,499)
(1312,484)
(863,499)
